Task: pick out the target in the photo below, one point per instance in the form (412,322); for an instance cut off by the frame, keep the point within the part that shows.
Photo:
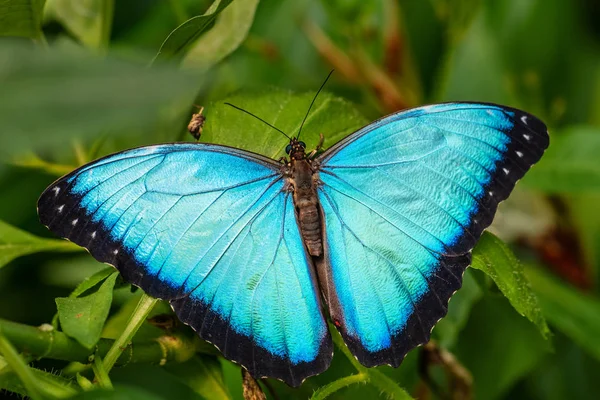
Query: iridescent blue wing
(405,200)
(211,229)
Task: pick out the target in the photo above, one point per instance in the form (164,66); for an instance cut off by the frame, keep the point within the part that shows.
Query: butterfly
(256,255)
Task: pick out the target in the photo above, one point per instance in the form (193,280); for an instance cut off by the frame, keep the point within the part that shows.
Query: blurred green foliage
(83,78)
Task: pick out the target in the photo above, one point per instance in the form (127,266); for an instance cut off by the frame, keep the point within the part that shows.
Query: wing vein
(401,280)
(227,230)
(384,218)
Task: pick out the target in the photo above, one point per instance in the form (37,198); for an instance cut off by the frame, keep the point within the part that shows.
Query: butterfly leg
(319,147)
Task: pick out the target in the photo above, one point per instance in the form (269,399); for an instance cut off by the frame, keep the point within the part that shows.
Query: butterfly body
(302,182)
(250,252)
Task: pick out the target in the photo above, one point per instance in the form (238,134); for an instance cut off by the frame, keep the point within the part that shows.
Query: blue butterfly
(250,251)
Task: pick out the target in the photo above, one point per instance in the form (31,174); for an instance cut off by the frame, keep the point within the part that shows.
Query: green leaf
(332,116)
(187,33)
(232,376)
(21,18)
(228,33)
(575,314)
(92,281)
(584,215)
(498,347)
(567,373)
(474,68)
(203,374)
(41,115)
(570,164)
(458,15)
(493,257)
(16,243)
(447,330)
(33,161)
(82,318)
(87,284)
(85,19)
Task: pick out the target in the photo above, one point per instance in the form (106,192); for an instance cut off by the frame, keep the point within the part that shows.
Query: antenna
(313,102)
(260,119)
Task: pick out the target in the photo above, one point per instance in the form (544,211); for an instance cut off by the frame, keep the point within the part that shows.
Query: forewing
(405,200)
(210,229)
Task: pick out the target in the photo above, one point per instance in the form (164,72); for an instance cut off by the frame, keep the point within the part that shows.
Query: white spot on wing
(491,194)
(506,171)
(94,235)
(524,119)
(519,153)
(56,189)
(116,251)
(74,222)
(527,137)
(60,208)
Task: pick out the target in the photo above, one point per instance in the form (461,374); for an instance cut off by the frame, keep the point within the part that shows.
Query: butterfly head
(296,149)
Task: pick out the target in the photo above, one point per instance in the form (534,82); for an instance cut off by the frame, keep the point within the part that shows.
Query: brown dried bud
(196,124)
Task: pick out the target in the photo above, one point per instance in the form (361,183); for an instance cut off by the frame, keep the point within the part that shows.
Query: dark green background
(76,82)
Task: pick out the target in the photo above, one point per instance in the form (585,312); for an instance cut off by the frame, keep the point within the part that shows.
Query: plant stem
(327,390)
(387,385)
(339,343)
(52,386)
(46,342)
(135,321)
(101,374)
(371,375)
(19,367)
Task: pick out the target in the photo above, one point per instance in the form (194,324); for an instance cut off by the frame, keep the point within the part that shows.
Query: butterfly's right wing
(405,200)
(211,229)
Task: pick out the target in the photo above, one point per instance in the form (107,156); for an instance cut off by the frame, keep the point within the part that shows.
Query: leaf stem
(19,367)
(139,315)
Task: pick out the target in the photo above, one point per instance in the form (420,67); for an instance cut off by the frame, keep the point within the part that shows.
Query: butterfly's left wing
(212,230)
(405,199)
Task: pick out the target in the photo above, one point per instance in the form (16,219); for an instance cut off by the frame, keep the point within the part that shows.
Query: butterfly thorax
(303,184)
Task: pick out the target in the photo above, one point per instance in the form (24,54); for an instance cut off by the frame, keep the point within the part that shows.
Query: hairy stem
(20,368)
(370,375)
(327,390)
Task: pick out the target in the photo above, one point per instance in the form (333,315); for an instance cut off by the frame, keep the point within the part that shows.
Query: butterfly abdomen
(310,226)
(306,202)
